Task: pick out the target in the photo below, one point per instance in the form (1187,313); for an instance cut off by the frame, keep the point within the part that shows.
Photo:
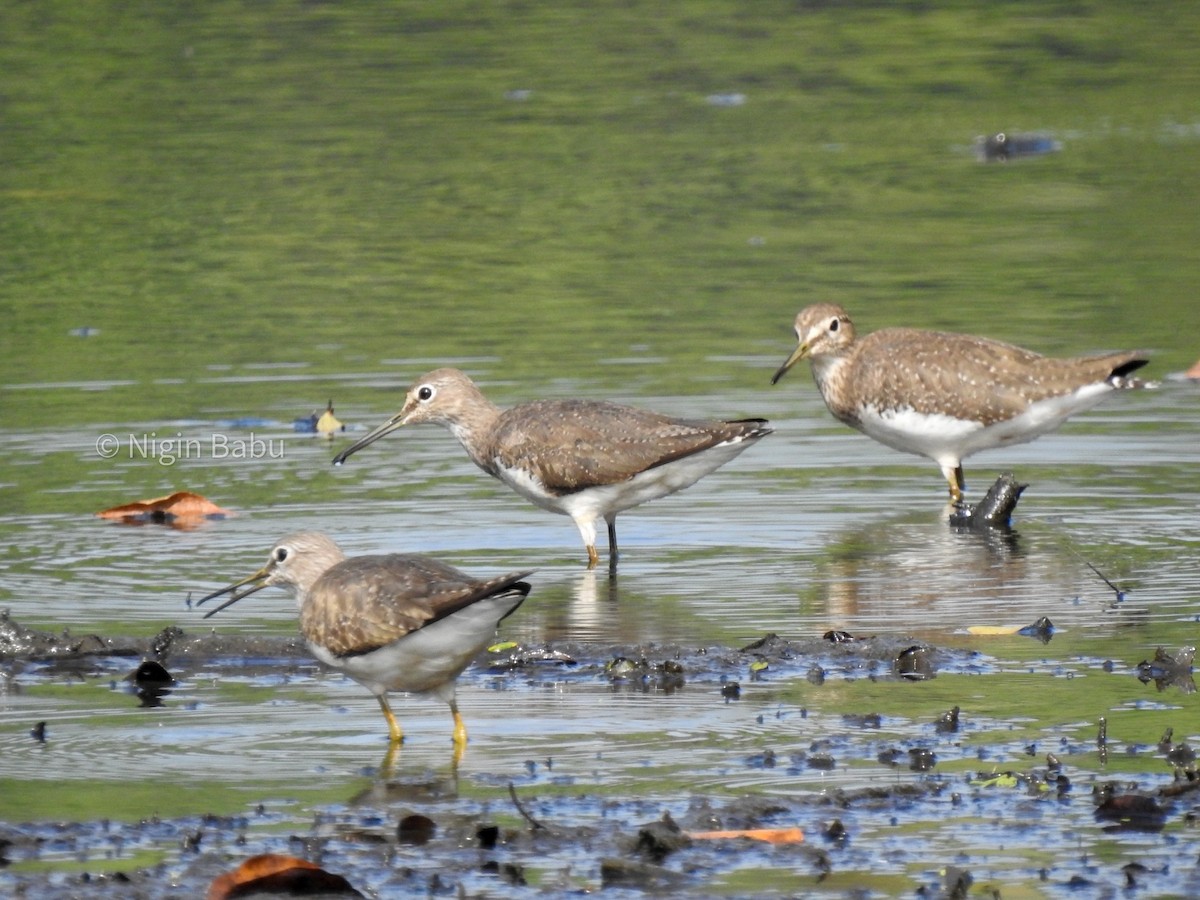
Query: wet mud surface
(419,833)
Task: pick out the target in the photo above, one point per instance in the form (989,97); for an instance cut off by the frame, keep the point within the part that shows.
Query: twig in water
(1116,590)
(533,823)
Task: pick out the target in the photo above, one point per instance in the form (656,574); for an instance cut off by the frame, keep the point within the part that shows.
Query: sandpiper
(397,622)
(587,459)
(946,396)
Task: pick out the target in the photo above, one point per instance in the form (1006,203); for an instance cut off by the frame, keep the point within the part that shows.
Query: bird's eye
(281,554)
(834,325)
(425,393)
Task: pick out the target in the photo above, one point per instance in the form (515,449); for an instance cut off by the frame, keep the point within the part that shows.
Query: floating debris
(1129,811)
(726,99)
(921,759)
(913,663)
(1006,146)
(182,510)
(838,637)
(1120,594)
(325,424)
(947,722)
(1043,629)
(994,510)
(768,835)
(27,643)
(273,873)
(1167,670)
(660,839)
(415,830)
(84,331)
(328,424)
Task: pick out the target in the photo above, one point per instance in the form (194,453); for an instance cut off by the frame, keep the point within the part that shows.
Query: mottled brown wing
(576,444)
(366,602)
(950,374)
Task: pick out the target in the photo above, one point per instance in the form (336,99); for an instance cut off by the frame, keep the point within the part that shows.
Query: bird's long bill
(371,437)
(259,576)
(798,354)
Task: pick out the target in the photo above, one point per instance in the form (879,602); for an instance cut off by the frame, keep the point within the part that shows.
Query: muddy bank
(413,836)
(657,666)
(411,829)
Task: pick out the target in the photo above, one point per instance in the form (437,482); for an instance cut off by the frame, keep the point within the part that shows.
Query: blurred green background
(542,187)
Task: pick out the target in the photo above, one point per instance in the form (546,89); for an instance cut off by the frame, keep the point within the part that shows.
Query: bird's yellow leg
(394,732)
(460,729)
(388,767)
(954,478)
(593,556)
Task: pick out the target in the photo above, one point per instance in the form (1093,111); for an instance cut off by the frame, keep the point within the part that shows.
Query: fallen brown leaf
(276,873)
(180,505)
(770,835)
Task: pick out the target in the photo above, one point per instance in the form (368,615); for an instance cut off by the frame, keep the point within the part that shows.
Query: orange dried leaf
(181,504)
(770,835)
(276,873)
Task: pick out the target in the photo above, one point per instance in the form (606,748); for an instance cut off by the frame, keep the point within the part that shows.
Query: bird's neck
(473,425)
(829,372)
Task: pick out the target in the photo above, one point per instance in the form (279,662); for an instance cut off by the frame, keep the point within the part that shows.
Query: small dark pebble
(1181,755)
(913,663)
(731,690)
(415,830)
(627,873)
(161,645)
(836,831)
(658,840)
(921,759)
(863,720)
(1164,742)
(1043,629)
(947,723)
(151,674)
(38,732)
(816,675)
(1132,871)
(957,882)
(994,511)
(1132,812)
(838,637)
(488,835)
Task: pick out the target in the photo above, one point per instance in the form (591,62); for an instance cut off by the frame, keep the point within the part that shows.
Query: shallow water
(816,528)
(222,216)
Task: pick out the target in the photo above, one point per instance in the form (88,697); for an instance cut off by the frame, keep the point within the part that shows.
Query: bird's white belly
(609,499)
(426,660)
(947,438)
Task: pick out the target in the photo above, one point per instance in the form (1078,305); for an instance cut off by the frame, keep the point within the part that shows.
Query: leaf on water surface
(276,873)
(770,835)
(178,509)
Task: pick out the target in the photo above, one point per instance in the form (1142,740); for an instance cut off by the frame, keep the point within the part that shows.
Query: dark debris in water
(1169,670)
(18,642)
(456,843)
(405,837)
(995,510)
